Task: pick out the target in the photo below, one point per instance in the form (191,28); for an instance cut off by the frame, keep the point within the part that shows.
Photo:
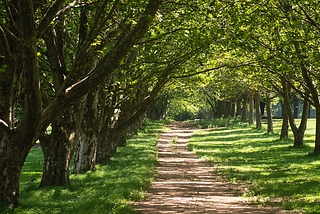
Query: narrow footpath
(185,183)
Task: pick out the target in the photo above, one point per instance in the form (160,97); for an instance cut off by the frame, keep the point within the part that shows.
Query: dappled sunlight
(185,183)
(274,170)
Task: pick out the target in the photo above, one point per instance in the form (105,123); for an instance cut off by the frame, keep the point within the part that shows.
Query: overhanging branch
(216,68)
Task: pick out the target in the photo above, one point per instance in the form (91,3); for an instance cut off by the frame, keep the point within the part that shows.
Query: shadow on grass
(111,188)
(273,170)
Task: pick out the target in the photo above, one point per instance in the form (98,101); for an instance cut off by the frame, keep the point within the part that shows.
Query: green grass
(221,122)
(270,171)
(110,189)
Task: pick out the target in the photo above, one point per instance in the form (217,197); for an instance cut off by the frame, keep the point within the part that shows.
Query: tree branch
(8,32)
(105,68)
(311,21)
(216,68)
(48,17)
(5,44)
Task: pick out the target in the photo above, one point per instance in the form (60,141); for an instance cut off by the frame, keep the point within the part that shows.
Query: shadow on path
(185,183)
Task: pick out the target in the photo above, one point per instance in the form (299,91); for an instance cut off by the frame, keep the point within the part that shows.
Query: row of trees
(268,48)
(92,69)
(281,39)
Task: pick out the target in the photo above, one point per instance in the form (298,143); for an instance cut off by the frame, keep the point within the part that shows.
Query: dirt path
(185,183)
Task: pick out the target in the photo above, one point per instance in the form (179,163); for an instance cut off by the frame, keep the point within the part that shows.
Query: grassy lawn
(269,171)
(109,189)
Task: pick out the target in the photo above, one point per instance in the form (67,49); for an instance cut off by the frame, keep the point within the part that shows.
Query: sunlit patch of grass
(111,188)
(220,122)
(274,171)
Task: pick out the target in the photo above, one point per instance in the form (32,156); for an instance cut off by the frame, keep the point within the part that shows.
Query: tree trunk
(158,109)
(303,123)
(262,106)
(251,108)
(239,109)
(285,125)
(317,140)
(269,113)
(15,144)
(298,132)
(103,146)
(295,106)
(233,109)
(228,109)
(315,97)
(58,147)
(13,152)
(55,148)
(85,154)
(245,106)
(258,110)
(87,146)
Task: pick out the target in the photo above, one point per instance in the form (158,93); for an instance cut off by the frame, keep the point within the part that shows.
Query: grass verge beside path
(265,169)
(110,189)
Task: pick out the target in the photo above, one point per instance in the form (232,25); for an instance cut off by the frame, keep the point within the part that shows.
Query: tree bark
(269,113)
(251,108)
(103,146)
(298,132)
(227,109)
(258,110)
(295,106)
(86,149)
(158,109)
(317,141)
(285,124)
(13,153)
(315,97)
(245,106)
(58,147)
(239,109)
(55,148)
(233,109)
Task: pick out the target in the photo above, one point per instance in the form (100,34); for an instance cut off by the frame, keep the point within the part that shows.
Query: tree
(20,33)
(258,110)
(269,113)
(282,36)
